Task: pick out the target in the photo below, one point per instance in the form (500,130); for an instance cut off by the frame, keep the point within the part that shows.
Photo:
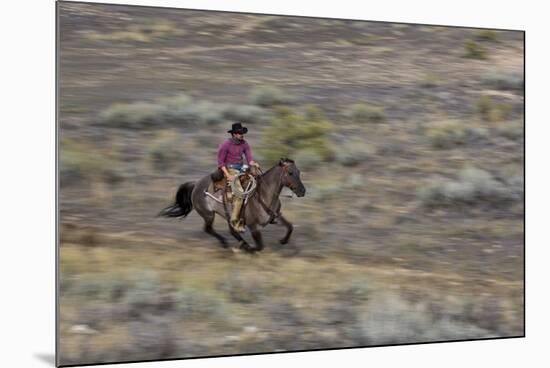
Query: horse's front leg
(257,236)
(242,243)
(282,220)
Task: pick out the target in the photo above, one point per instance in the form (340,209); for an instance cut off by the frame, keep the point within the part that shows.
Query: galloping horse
(263,206)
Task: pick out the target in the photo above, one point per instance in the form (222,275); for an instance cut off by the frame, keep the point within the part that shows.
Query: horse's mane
(267,171)
(285,160)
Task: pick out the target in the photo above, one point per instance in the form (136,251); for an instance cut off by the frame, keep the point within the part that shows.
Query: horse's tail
(183,205)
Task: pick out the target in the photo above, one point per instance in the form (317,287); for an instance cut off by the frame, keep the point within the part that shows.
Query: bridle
(284,174)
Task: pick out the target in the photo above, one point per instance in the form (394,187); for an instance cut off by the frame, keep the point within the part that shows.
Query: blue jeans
(237,167)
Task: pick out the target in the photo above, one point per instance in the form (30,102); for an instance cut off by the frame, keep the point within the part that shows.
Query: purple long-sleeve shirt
(231,152)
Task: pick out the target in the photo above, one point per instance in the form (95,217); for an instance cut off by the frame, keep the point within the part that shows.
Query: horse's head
(291,177)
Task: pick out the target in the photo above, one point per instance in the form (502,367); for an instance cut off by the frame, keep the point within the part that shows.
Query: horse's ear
(281,161)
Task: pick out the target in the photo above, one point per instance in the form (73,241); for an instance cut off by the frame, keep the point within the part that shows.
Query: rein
(272,214)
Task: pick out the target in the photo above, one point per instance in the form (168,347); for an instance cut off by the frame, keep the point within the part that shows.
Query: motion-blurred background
(410,141)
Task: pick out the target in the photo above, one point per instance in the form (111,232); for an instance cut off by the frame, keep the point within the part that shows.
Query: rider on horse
(230,161)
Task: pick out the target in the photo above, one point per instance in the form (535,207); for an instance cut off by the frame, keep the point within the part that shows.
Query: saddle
(220,183)
(222,191)
(219,180)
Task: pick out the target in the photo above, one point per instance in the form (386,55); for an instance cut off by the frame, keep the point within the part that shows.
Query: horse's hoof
(244,246)
(236,250)
(283,241)
(249,249)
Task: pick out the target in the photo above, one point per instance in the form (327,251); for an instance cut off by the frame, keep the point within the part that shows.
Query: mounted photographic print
(233,183)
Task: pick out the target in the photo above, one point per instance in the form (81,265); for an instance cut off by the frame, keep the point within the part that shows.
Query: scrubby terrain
(410,142)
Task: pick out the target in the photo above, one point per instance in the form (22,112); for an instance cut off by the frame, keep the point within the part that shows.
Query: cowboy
(230,161)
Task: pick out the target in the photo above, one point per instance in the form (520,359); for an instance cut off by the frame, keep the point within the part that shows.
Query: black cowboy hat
(238,128)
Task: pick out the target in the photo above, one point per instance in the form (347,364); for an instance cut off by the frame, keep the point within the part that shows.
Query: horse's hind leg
(209,229)
(289,229)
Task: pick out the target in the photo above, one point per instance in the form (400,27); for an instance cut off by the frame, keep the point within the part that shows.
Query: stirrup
(238,226)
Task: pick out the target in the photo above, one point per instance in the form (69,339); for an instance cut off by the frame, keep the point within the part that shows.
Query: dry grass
(236,297)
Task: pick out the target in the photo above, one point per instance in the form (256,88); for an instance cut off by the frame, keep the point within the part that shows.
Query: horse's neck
(270,186)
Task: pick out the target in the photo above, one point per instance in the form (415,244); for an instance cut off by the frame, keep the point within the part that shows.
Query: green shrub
(474,50)
(241,289)
(179,110)
(516,184)
(484,105)
(333,189)
(95,287)
(472,186)
(358,291)
(487,35)
(430,80)
(504,81)
(365,40)
(166,150)
(144,295)
(149,339)
(366,114)
(325,191)
(450,133)
(285,315)
(446,136)
(146,32)
(269,96)
(307,158)
(353,152)
(134,115)
(201,113)
(87,289)
(176,101)
(193,304)
(354,181)
(391,319)
(291,132)
(247,114)
(82,162)
(511,130)
(491,111)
